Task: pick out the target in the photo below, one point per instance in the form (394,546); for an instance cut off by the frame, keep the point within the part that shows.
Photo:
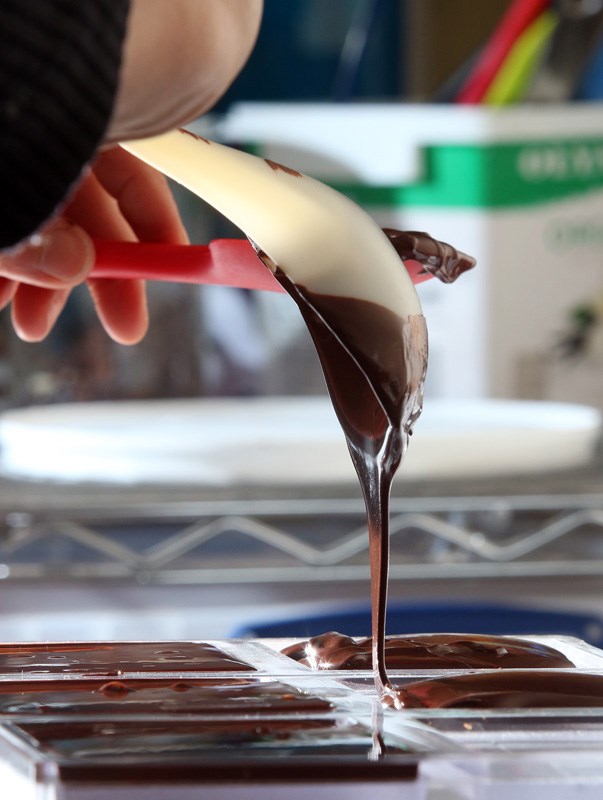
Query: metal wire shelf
(545,526)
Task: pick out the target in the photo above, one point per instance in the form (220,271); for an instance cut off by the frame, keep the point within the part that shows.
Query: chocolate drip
(374,364)
(274,165)
(195,136)
(439,259)
(428,651)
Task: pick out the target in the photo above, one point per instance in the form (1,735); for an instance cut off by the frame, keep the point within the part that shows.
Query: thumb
(58,255)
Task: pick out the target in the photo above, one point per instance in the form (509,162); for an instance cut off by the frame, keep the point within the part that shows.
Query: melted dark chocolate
(439,259)
(428,651)
(155,696)
(114,658)
(515,689)
(302,749)
(274,165)
(195,136)
(374,365)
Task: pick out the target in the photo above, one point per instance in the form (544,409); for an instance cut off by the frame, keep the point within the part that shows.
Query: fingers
(35,310)
(120,305)
(91,207)
(122,308)
(7,291)
(121,199)
(142,195)
(130,200)
(37,278)
(61,254)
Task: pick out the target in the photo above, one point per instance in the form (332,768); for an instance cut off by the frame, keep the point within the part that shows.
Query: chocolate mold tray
(115,719)
(498,728)
(241,719)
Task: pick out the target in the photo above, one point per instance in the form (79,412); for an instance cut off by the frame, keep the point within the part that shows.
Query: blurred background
(374,96)
(478,122)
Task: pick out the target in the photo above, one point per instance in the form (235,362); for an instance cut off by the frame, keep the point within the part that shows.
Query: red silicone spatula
(226,262)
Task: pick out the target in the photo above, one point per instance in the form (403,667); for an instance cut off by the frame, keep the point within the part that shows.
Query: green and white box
(520,189)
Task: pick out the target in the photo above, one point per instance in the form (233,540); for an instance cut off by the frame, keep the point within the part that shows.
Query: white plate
(281,441)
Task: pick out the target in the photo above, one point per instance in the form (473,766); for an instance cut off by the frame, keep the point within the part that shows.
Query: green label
(494,176)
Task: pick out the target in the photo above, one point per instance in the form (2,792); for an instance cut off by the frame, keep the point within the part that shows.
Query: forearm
(183,83)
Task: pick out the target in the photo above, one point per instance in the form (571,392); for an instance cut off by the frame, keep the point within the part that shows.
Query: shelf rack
(545,525)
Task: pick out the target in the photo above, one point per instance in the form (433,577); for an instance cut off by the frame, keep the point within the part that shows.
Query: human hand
(175,67)
(121,198)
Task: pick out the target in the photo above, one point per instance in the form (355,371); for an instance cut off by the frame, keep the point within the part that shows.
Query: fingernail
(67,254)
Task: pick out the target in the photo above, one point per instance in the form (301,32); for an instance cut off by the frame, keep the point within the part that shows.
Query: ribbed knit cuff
(59,69)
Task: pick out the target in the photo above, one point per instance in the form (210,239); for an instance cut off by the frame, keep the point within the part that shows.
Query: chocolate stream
(374,366)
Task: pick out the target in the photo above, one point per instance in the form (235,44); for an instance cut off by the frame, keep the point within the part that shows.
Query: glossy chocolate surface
(155,696)
(145,730)
(111,659)
(428,651)
(301,750)
(515,689)
(374,364)
(439,259)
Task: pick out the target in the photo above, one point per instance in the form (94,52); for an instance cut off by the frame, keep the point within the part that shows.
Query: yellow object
(523,58)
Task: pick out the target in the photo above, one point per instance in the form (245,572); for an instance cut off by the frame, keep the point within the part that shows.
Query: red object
(416,271)
(513,23)
(226,262)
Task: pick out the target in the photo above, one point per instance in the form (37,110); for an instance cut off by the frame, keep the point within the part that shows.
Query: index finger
(143,196)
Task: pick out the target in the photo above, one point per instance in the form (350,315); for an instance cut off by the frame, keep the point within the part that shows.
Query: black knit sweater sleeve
(59,67)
